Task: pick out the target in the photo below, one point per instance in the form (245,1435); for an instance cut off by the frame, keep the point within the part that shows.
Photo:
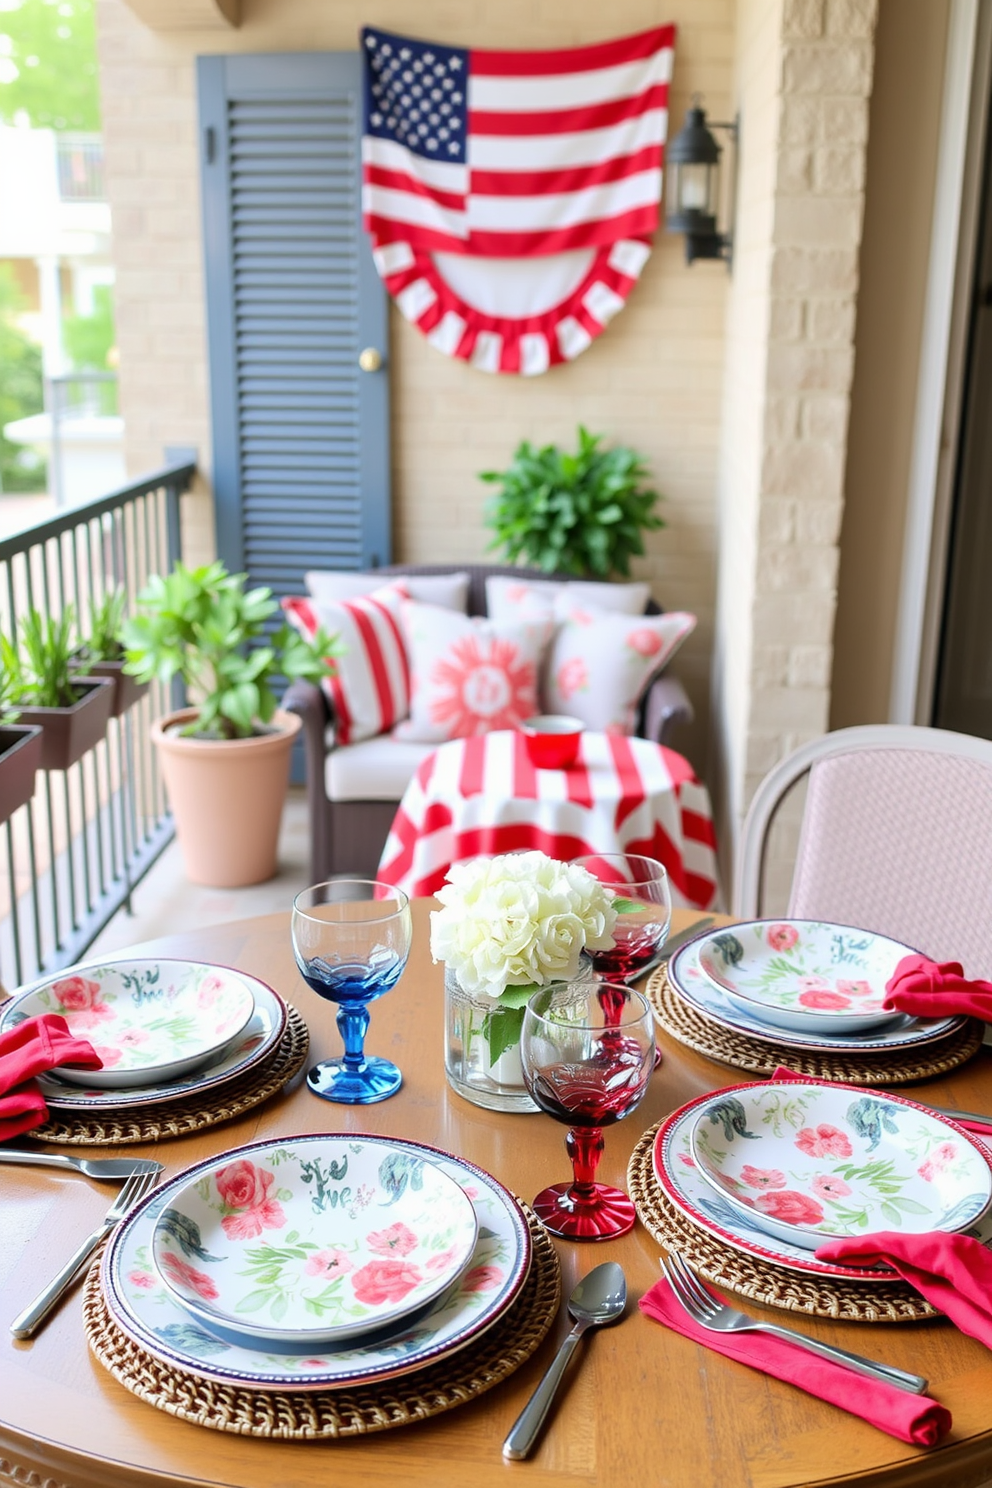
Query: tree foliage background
(48,70)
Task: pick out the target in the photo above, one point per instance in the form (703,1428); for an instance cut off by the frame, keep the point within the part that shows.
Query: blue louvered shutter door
(300,432)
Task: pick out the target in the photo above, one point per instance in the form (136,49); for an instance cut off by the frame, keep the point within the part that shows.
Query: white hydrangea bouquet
(513,923)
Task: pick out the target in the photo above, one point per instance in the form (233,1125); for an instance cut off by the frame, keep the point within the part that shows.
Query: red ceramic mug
(552,740)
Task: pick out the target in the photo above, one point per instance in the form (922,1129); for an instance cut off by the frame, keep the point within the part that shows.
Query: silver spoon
(108,1168)
(598,1298)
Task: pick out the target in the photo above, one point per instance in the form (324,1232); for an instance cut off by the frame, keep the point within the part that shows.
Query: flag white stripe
(561,210)
(629,257)
(393,258)
(537,94)
(537,152)
(407,206)
(388,155)
(415,299)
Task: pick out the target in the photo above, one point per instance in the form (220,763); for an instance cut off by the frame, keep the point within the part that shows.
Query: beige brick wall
(654,380)
(805,70)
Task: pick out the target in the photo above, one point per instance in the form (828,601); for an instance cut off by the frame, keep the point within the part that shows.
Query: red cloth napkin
(935,989)
(34,1046)
(912,1418)
(954,1272)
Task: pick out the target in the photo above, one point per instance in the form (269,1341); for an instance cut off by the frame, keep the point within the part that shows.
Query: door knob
(370,360)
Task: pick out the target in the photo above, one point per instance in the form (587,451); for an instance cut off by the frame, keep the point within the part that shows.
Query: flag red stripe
(387,230)
(541,183)
(377,175)
(524,773)
(572,59)
(568,121)
(639,223)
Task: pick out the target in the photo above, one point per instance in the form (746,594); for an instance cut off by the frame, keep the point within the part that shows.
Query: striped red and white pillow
(370,690)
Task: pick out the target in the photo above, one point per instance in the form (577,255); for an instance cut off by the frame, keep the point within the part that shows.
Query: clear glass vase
(498,1084)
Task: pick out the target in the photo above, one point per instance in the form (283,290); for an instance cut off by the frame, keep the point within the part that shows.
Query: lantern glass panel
(697,188)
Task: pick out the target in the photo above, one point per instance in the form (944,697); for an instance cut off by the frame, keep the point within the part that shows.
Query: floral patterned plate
(685,1187)
(150,1314)
(694,987)
(804,975)
(148,1020)
(302,1246)
(814,1163)
(253,1044)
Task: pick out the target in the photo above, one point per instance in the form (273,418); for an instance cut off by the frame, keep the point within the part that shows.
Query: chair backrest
(896,837)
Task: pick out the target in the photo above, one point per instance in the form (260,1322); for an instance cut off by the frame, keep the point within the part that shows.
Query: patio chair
(353,791)
(896,837)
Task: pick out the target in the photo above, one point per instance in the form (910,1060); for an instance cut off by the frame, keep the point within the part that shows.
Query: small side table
(483,795)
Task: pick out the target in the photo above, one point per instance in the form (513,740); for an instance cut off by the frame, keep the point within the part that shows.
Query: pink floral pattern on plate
(804,974)
(813,1161)
(315,1242)
(150,1020)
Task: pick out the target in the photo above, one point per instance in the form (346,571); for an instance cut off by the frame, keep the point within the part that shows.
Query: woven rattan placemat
(354,1410)
(896,1067)
(179,1118)
(796,1291)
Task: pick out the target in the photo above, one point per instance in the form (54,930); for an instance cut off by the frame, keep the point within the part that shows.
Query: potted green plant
(225,760)
(581,513)
(72,710)
(102,651)
(20,751)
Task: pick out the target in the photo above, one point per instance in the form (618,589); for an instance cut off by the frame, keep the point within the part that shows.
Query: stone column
(804,78)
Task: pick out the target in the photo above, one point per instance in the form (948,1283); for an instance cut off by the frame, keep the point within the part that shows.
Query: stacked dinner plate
(317,1262)
(770,1171)
(167,1031)
(769,987)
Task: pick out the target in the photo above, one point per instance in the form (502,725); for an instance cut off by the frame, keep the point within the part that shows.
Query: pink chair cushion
(900,841)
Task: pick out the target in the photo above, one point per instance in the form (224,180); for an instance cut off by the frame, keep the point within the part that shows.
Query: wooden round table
(644,1406)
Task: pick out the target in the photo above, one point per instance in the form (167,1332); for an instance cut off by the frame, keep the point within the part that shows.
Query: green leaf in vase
(624,906)
(502,1028)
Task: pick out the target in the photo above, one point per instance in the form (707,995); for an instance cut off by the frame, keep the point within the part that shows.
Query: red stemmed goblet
(642,898)
(586,1061)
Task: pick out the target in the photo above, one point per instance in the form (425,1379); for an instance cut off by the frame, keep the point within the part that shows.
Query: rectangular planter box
(20,757)
(69,733)
(127,689)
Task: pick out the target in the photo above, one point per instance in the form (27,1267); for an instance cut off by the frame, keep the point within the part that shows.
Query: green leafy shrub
(104,643)
(203,626)
(581,513)
(40,660)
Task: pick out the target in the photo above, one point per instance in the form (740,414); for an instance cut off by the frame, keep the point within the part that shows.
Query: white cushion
(600,663)
(448,590)
(520,599)
(469,675)
(374,770)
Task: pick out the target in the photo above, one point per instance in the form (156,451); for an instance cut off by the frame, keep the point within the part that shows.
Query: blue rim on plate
(692,1196)
(256,1042)
(690,982)
(142,1307)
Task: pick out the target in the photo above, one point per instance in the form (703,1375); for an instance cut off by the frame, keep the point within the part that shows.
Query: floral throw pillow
(468,676)
(524,598)
(370,690)
(601,663)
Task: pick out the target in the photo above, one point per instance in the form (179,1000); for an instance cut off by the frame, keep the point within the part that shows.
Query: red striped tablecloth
(483,795)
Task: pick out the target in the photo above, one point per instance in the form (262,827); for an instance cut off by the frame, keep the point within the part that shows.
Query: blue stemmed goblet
(351,939)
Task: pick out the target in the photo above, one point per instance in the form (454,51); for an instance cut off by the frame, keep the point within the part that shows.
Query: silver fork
(712,1313)
(27,1323)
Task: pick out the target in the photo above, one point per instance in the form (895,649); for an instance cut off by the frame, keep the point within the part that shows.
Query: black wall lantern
(693,163)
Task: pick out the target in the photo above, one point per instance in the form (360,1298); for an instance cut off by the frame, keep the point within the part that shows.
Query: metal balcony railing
(73,854)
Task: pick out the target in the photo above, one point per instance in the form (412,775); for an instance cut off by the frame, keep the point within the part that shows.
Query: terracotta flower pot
(69,733)
(20,757)
(227,798)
